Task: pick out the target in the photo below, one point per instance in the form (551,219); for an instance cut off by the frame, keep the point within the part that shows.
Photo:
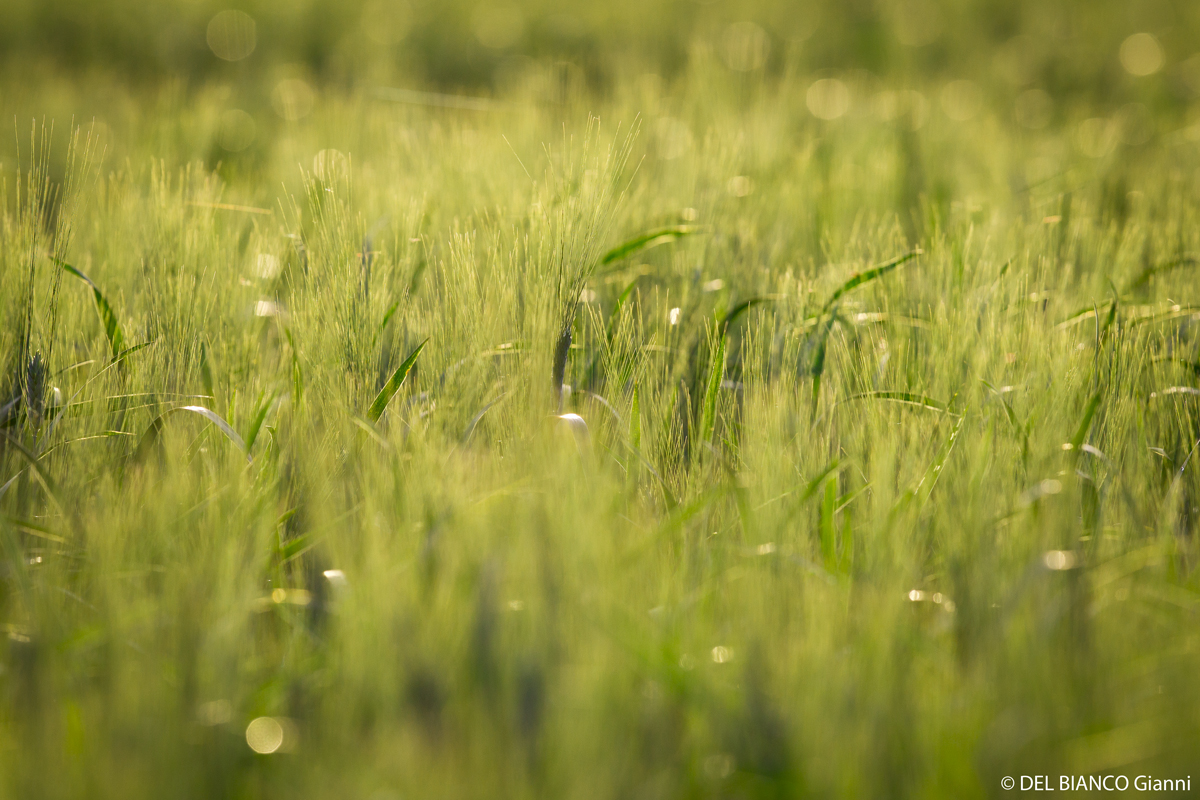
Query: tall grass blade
(32,528)
(112,329)
(372,431)
(35,465)
(297,370)
(816,482)
(860,278)
(478,416)
(740,309)
(387,317)
(393,385)
(716,373)
(930,478)
(620,304)
(818,362)
(635,422)
(645,241)
(266,404)
(150,437)
(1145,275)
(828,534)
(1085,423)
(206,374)
(128,351)
(907,398)
(1083,314)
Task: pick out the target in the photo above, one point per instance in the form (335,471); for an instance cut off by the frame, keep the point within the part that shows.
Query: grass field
(737,430)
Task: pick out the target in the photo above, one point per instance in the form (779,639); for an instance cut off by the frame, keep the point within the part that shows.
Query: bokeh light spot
(1059,560)
(232,35)
(828,98)
(1141,55)
(264,735)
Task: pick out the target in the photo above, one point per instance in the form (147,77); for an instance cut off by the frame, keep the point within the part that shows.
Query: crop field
(778,405)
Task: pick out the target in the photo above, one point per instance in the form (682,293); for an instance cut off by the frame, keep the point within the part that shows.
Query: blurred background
(1119,76)
(1069,51)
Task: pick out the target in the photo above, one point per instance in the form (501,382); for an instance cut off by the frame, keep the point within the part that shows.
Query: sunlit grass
(733,439)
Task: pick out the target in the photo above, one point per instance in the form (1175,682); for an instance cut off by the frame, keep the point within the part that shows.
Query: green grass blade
(128,351)
(36,466)
(1175,312)
(849,497)
(818,363)
(1112,311)
(1145,275)
(370,429)
(297,370)
(828,534)
(266,404)
(815,483)
(466,437)
(620,304)
(846,560)
(112,329)
(716,372)
(393,385)
(150,437)
(206,375)
(930,478)
(635,422)
(1085,423)
(680,515)
(860,278)
(387,317)
(739,309)
(645,241)
(907,398)
(298,546)
(40,531)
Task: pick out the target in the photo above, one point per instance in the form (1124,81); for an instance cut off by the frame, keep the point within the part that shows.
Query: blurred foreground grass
(894,535)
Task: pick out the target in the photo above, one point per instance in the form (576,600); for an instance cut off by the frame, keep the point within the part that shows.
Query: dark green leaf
(393,385)
(739,309)
(645,241)
(858,279)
